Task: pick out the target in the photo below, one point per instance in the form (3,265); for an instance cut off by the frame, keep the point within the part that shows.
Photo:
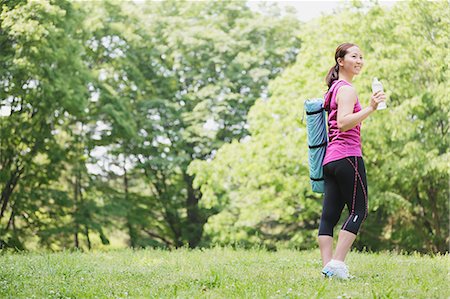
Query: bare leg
(344,244)
(326,248)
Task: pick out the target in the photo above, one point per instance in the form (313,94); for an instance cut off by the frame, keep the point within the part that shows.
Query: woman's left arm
(346,99)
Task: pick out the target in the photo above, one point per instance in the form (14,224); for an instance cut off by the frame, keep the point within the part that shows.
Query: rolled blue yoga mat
(317,141)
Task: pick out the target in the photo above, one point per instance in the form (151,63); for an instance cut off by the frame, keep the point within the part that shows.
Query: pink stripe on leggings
(366,202)
(354,191)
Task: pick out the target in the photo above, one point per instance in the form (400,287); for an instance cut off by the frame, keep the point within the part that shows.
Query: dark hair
(333,73)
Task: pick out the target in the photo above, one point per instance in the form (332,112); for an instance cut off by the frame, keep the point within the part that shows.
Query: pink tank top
(340,144)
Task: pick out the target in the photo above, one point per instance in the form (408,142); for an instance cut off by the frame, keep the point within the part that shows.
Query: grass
(218,273)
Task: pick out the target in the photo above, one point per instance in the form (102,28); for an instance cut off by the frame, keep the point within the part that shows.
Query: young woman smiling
(344,171)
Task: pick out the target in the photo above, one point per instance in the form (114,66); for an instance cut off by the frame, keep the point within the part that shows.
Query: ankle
(337,262)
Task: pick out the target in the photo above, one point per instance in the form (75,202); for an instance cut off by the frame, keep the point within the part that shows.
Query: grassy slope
(218,273)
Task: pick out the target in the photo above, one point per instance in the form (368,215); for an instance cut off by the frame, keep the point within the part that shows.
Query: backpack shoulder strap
(329,94)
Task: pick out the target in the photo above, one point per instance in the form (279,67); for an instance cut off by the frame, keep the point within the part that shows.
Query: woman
(343,165)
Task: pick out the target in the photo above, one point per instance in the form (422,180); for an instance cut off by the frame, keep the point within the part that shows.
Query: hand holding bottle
(378,98)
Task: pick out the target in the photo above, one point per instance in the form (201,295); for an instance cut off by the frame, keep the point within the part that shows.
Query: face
(353,60)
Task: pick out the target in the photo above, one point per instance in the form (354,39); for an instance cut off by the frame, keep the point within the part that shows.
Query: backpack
(316,129)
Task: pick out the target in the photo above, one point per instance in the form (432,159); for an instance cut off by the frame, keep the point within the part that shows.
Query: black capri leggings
(345,184)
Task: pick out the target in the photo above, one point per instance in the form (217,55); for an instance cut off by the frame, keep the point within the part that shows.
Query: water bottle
(377,86)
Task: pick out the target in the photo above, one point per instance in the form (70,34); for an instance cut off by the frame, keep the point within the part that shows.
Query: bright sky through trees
(307,10)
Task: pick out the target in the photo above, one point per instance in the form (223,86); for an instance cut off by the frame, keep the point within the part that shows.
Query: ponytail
(333,75)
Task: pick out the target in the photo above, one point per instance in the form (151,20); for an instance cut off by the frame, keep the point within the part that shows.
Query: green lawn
(218,273)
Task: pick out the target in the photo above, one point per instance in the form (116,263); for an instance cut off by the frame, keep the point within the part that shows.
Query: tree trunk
(154,235)
(195,218)
(75,213)
(86,233)
(131,230)
(8,189)
(441,245)
(11,220)
(170,215)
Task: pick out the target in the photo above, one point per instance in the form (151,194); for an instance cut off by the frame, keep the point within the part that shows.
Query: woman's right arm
(346,98)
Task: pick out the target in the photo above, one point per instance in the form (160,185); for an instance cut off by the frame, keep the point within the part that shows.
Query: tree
(211,78)
(40,50)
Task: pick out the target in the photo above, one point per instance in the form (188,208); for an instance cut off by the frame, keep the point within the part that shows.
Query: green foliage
(138,83)
(41,48)
(154,119)
(261,183)
(203,84)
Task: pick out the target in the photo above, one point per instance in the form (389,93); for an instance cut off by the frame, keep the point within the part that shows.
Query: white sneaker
(336,269)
